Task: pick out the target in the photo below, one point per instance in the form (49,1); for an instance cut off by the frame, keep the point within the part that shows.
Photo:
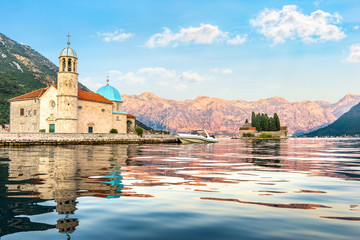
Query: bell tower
(67,91)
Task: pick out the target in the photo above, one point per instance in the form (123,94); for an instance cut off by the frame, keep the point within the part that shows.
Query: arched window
(63,65)
(69,65)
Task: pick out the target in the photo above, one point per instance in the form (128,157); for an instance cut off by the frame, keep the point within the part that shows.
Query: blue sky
(299,50)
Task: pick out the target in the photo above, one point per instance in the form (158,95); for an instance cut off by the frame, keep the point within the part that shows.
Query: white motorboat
(196,136)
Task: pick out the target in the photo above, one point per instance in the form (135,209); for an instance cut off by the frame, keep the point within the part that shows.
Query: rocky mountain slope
(347,125)
(22,70)
(225,117)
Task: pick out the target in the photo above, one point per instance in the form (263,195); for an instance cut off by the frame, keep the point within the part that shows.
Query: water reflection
(316,175)
(29,176)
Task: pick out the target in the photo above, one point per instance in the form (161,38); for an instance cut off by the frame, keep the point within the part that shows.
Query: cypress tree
(266,124)
(262,122)
(246,121)
(258,124)
(253,119)
(272,126)
(277,122)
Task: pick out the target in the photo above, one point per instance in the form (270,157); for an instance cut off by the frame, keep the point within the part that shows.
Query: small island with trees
(263,126)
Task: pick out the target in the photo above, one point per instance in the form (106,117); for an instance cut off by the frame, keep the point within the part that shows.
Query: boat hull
(187,138)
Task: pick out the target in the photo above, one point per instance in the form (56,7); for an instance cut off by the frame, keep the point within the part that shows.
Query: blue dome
(110,93)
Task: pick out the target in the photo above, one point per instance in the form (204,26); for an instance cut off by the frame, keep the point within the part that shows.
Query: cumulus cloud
(221,70)
(157,71)
(289,23)
(205,34)
(190,77)
(238,39)
(180,86)
(116,36)
(356,27)
(354,53)
(130,77)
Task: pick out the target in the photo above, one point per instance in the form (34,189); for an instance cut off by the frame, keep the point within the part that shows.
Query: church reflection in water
(31,176)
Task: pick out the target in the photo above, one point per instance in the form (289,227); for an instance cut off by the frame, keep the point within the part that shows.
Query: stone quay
(28,139)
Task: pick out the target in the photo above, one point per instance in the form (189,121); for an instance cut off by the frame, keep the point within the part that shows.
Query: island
(263,127)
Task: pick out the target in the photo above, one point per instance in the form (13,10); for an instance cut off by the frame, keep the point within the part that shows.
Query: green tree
(253,119)
(266,123)
(277,122)
(246,121)
(272,126)
(139,131)
(258,122)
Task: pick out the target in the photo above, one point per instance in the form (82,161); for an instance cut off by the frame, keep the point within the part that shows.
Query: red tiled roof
(130,116)
(34,94)
(81,95)
(92,97)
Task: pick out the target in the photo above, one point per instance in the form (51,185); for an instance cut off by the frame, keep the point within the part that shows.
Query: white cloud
(221,70)
(162,83)
(180,86)
(288,23)
(157,71)
(356,27)
(237,40)
(205,34)
(130,77)
(116,36)
(354,53)
(190,77)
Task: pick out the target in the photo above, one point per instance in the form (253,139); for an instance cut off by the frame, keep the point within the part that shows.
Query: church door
(90,130)
(51,128)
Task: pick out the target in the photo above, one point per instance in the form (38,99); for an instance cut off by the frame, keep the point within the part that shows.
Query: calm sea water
(235,189)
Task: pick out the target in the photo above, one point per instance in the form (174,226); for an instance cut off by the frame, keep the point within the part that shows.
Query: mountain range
(22,70)
(224,117)
(347,125)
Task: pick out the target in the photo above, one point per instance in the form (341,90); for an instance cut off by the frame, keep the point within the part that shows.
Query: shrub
(113,130)
(265,135)
(248,135)
(42,130)
(139,131)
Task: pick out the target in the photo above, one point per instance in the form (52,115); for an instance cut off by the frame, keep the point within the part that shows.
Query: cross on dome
(68,36)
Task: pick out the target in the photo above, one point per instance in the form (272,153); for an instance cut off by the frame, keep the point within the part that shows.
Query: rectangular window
(22,112)
(51,128)
(34,112)
(29,112)
(117,107)
(22,127)
(90,129)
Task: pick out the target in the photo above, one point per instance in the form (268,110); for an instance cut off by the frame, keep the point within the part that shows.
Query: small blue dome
(110,93)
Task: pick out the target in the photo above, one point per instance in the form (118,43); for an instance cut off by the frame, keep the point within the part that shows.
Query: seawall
(27,139)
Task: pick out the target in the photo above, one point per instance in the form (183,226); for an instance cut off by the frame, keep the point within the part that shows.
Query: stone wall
(29,122)
(95,114)
(282,134)
(24,139)
(48,109)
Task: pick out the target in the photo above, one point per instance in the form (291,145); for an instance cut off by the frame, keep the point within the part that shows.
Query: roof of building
(34,94)
(92,97)
(68,52)
(110,93)
(130,116)
(81,95)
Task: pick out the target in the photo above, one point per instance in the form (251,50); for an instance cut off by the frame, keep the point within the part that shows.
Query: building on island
(246,130)
(65,109)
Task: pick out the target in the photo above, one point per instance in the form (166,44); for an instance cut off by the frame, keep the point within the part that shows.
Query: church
(65,109)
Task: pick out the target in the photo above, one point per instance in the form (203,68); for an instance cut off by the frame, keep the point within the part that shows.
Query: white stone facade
(65,109)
